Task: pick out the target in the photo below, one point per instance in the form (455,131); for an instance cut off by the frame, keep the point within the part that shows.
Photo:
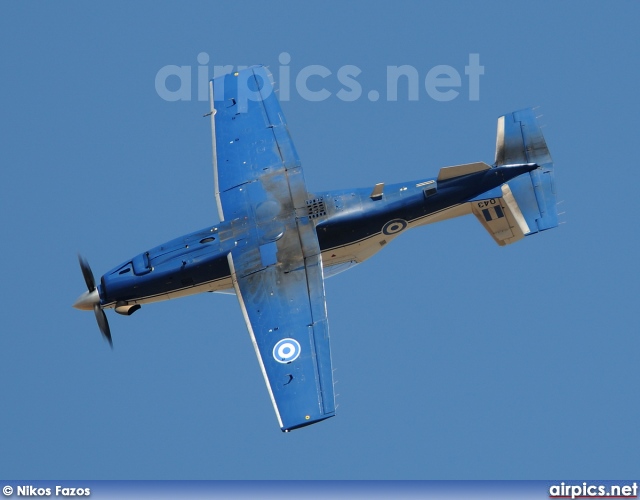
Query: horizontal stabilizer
(501,217)
(520,140)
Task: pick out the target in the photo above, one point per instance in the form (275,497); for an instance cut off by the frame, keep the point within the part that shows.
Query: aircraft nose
(87,300)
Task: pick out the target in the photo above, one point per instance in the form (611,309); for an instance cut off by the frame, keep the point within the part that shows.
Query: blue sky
(455,359)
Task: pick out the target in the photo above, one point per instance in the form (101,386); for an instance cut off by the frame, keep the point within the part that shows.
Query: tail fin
(520,140)
(527,203)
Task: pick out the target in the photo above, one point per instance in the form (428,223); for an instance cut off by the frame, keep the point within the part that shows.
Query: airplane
(276,241)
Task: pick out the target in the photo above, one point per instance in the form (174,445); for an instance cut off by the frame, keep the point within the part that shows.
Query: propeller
(91,300)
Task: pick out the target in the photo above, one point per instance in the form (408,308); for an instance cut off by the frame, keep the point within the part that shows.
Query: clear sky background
(454,358)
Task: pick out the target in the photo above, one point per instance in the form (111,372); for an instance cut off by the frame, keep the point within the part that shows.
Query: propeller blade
(86,300)
(87,273)
(101,317)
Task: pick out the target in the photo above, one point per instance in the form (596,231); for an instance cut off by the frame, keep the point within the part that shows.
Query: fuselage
(351,225)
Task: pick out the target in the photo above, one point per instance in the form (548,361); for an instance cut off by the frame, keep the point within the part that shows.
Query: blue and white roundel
(394,226)
(286,350)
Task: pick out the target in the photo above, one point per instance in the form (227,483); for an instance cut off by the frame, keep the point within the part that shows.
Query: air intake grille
(316,208)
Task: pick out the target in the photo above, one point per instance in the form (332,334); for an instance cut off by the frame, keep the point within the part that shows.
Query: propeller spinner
(91,300)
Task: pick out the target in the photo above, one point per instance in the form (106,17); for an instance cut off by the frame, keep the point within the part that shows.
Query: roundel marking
(394,226)
(286,350)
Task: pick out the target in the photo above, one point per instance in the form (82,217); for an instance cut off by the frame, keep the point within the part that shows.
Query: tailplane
(527,204)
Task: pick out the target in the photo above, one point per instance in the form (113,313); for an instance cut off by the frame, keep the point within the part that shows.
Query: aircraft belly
(223,285)
(360,250)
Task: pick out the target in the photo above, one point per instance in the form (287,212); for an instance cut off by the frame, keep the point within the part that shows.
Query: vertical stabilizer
(520,140)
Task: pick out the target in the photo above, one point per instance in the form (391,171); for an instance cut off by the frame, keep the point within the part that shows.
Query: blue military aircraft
(276,242)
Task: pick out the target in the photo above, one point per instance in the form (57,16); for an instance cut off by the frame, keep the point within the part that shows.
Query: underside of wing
(275,263)
(251,142)
(284,311)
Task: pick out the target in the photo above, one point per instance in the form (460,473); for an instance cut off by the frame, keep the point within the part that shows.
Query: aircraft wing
(275,264)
